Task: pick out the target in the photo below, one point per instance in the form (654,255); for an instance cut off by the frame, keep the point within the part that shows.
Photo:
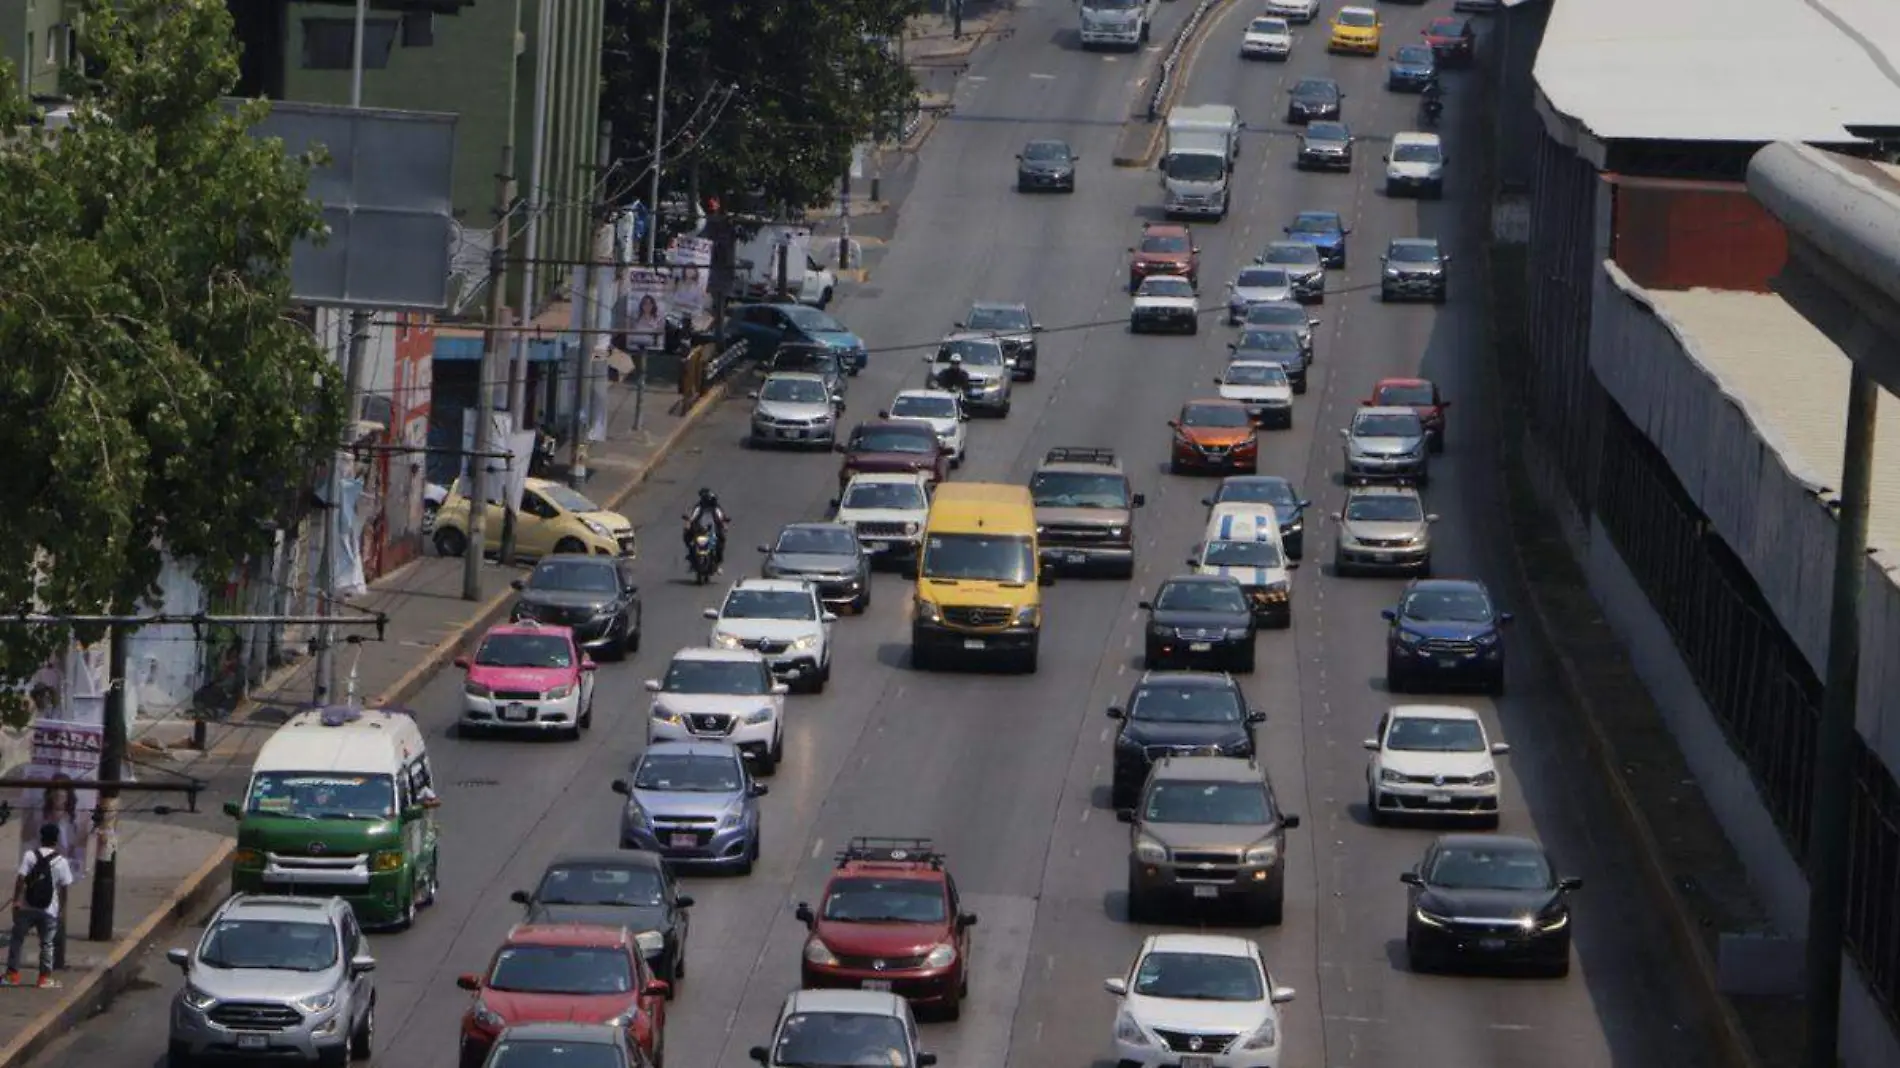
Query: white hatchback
(1432,760)
(1198,999)
(944,412)
(783,621)
(721,695)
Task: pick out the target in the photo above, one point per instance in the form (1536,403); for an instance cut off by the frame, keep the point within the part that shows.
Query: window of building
(330,44)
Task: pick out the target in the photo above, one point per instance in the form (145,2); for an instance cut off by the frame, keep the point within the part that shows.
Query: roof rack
(865,849)
(1079,454)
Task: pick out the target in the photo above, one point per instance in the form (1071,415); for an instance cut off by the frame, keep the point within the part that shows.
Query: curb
(183,905)
(1684,928)
(1189,57)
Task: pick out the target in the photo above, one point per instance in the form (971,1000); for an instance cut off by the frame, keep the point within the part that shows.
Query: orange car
(1165,248)
(1214,435)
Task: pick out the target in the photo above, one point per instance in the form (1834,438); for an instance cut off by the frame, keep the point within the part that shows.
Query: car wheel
(1395,680)
(1437,443)
(751,857)
(778,746)
(1496,687)
(1273,909)
(1340,570)
(920,658)
(1022,186)
(587,716)
(953,1010)
(450,541)
(1026,664)
(1560,968)
(1140,906)
(1245,664)
(1425,569)
(570,545)
(364,1034)
(1373,815)
(767,762)
(1175,468)
(630,641)
(1417,959)
(178,1055)
(1194,327)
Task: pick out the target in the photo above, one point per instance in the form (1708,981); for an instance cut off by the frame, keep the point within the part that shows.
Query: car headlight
(941,955)
(650,942)
(1554,923)
(758,716)
(1264,853)
(1388,775)
(722,640)
(1485,778)
(197,998)
(1127,1030)
(1406,637)
(1266,1036)
(1236,633)
(597,527)
(486,1017)
(911,528)
(809,641)
(662,714)
(1149,851)
(624,1020)
(1028,616)
(316,1002)
(384,860)
(816,952)
(928,612)
(1116,532)
(559,693)
(1487,638)
(635,815)
(476,689)
(1427,918)
(732,815)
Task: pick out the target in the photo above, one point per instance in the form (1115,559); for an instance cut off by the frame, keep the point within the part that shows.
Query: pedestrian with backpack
(43,878)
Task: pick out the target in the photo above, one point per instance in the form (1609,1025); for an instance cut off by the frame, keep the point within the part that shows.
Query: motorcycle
(1429,109)
(702,556)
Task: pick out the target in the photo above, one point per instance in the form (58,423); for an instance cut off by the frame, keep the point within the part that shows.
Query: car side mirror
(656,988)
(517,585)
(883,413)
(620,787)
(1344,432)
(1444,404)
(780,689)
(1131,248)
(1385,159)
(1444,259)
(765,548)
(1505,617)
(1431,517)
(520,897)
(838,399)
(1305,504)
(1138,500)
(1218,380)
(1232,346)
(753,395)
(653,685)
(684,901)
(803,914)
(1117,712)
(926,1059)
(1292,565)
(461,662)
(827,617)
(1371,745)
(839,446)
(470,981)
(1345,230)
(710,613)
(1570,883)
(1175,424)
(1411,878)
(1256,717)
(180,957)
(1125,815)
(1282,994)
(1116,986)
(362,965)
(1191,562)
(1389,615)
(1036,328)
(963,416)
(589,665)
(1339,517)
(1207,502)
(1500,748)
(968,919)
(759,1053)
(232,810)
(1196,250)
(413,813)
(1046,576)
(1290,822)
(758,789)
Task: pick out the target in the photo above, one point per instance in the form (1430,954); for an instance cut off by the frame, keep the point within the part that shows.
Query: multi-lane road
(1009,773)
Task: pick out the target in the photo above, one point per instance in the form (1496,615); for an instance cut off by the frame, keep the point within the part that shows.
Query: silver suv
(1383,528)
(1207,829)
(283,978)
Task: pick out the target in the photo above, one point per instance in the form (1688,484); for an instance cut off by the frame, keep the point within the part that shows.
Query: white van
(1415,166)
(341,803)
(1242,541)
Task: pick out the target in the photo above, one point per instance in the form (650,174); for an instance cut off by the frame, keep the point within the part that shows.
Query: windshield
(1068,489)
(1006,559)
(315,795)
(1394,425)
(1162,702)
(1200,597)
(885,901)
(575,576)
(1445,27)
(1417,396)
(1316,224)
(600,884)
(1327,131)
(716,676)
(1262,278)
(1254,374)
(1448,605)
(691,773)
(820,541)
(1490,869)
(1234,803)
(1167,287)
(806,359)
(1295,253)
(1112,5)
(275,944)
(1416,55)
(896,496)
(845,1039)
(1198,977)
(567,499)
(895,439)
(1270,340)
(1215,415)
(1164,243)
(916,407)
(1276,314)
(1416,734)
(1256,491)
(1358,19)
(1242,554)
(1046,151)
(1196,167)
(562,970)
(794,391)
(991,318)
(980,351)
(769,604)
(525,651)
(1408,252)
(1267,26)
(1385,508)
(1316,88)
(553,1053)
(811,320)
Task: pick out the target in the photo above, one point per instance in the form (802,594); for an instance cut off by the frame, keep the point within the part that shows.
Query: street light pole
(659,136)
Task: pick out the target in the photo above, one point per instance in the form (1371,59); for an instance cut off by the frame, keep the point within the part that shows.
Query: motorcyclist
(707,516)
(953,378)
(1433,99)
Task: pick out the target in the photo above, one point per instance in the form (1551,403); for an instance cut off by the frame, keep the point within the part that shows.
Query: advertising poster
(648,289)
(691,259)
(67,736)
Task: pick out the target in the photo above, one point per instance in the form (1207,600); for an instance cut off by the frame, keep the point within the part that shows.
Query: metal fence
(1171,63)
(1565,404)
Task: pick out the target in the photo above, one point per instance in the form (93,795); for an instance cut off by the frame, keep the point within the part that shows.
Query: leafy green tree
(159,399)
(802,83)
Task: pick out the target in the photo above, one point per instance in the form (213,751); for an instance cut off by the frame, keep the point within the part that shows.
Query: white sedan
(1165,302)
(1263,387)
(944,412)
(1198,999)
(1267,38)
(1300,11)
(1432,760)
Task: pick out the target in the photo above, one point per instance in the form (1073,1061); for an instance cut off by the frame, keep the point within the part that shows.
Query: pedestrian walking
(42,880)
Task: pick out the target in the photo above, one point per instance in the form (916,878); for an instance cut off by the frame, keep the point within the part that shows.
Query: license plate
(1075,559)
(520,712)
(1207,891)
(683,841)
(1447,662)
(1438,799)
(973,643)
(1202,1061)
(252,1042)
(877,546)
(1200,647)
(877,984)
(1384,558)
(1490,943)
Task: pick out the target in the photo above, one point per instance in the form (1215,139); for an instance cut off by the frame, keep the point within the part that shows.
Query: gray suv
(283,978)
(1383,528)
(1207,829)
(1085,511)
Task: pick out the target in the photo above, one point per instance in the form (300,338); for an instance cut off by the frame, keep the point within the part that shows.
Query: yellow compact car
(552,519)
(1356,31)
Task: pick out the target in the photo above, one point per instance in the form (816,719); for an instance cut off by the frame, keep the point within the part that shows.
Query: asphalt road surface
(1009,773)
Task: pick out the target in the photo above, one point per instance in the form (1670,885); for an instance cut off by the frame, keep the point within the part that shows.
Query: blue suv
(694,803)
(1447,632)
(1324,230)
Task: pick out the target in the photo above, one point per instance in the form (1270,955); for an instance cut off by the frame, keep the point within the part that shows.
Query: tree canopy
(804,82)
(159,398)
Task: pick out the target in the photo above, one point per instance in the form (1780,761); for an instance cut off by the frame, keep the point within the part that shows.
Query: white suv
(1198,999)
(1432,760)
(942,410)
(721,695)
(784,622)
(888,510)
(1415,166)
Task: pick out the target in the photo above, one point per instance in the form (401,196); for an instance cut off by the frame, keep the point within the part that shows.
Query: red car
(1453,40)
(1165,248)
(896,445)
(890,920)
(1418,394)
(568,973)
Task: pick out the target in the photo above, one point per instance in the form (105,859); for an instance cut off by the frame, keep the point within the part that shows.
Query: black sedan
(1445,631)
(1314,98)
(629,889)
(1287,504)
(827,555)
(1177,714)
(1199,619)
(1479,899)
(1046,164)
(595,596)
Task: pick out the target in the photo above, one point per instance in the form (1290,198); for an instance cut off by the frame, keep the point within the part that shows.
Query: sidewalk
(171,874)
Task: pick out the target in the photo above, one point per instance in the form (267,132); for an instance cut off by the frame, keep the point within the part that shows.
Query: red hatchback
(565,973)
(1453,41)
(890,921)
(1419,394)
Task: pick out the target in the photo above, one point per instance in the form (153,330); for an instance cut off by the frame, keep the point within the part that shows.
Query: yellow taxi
(552,519)
(1355,30)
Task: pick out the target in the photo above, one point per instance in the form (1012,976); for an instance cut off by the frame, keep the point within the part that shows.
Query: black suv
(594,596)
(1177,714)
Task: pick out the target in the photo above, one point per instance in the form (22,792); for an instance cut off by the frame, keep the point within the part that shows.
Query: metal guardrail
(1170,64)
(722,364)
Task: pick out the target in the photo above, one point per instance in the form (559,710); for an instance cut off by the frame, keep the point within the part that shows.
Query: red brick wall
(1671,234)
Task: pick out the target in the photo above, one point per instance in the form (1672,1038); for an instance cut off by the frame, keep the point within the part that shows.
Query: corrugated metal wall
(1672,234)
(1565,403)
(1511,50)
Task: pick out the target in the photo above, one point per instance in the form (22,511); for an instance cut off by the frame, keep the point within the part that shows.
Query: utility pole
(518,364)
(1828,827)
(485,384)
(844,212)
(597,298)
(105,877)
(659,135)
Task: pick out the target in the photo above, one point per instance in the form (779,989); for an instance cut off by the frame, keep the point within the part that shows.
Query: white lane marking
(817,847)
(1042,77)
(1085,814)
(1355,1019)
(1105,733)
(1509,1027)
(973,79)
(1110,59)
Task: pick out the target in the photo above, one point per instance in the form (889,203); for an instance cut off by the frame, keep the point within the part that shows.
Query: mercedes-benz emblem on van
(1438,780)
(318,849)
(1194,1044)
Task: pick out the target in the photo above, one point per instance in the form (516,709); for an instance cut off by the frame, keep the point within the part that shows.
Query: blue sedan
(764,327)
(1324,230)
(1413,67)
